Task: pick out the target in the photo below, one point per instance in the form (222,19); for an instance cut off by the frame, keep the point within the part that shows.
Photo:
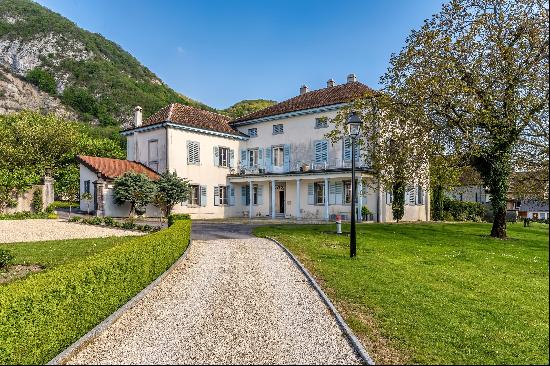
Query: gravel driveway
(233,301)
(12,231)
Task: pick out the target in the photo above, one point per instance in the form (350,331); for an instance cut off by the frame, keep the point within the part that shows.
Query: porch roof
(290,176)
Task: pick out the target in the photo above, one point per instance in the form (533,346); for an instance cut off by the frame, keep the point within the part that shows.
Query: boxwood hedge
(45,313)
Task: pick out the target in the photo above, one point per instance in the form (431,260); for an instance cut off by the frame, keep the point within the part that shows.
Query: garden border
(352,339)
(61,358)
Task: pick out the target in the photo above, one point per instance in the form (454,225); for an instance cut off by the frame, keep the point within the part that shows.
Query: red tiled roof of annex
(192,117)
(314,99)
(113,168)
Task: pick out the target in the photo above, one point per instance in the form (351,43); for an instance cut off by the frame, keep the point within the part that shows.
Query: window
(347,192)
(153,154)
(420,196)
(319,193)
(255,194)
(223,157)
(278,129)
(389,198)
(252,132)
(86,186)
(193,152)
(195,197)
(321,122)
(411,195)
(223,195)
(278,156)
(252,157)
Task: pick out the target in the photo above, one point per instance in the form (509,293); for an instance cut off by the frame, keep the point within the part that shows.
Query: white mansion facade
(275,162)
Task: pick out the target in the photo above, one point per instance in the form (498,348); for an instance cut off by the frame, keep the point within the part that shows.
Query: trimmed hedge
(174,217)
(48,311)
(454,210)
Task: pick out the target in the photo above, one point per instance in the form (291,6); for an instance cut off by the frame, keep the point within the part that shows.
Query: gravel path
(233,301)
(12,231)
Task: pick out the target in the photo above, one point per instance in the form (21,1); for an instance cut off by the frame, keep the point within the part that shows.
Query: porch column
(359,199)
(249,199)
(379,203)
(273,198)
(298,214)
(326,198)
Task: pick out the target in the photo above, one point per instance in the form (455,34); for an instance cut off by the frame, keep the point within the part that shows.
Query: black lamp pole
(352,237)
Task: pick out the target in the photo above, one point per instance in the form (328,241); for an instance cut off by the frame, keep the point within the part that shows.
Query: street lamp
(354,127)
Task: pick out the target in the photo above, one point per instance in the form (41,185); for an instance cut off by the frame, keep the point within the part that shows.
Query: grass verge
(46,312)
(434,293)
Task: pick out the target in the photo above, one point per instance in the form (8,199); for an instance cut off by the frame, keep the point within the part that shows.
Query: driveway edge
(98,329)
(352,339)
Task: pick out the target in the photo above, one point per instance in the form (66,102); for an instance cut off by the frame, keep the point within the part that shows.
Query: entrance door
(281,207)
(280,198)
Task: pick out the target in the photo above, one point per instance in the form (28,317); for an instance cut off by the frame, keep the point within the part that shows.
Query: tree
(444,175)
(475,79)
(170,190)
(43,80)
(133,188)
(14,180)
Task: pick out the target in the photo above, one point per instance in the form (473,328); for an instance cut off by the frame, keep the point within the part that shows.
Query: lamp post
(354,126)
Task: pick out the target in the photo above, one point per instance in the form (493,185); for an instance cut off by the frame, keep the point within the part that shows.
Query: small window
(153,154)
(223,157)
(195,196)
(347,192)
(319,193)
(193,152)
(321,122)
(278,129)
(252,132)
(86,186)
(255,194)
(278,156)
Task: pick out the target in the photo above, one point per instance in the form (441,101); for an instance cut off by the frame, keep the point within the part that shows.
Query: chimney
(352,78)
(304,89)
(138,118)
(330,83)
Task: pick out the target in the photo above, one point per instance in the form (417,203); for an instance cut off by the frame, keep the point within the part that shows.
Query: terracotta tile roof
(313,99)
(192,117)
(113,168)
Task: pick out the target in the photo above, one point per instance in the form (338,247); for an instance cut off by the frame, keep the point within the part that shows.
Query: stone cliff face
(16,94)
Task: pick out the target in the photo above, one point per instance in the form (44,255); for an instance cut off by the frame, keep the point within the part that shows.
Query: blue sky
(220,52)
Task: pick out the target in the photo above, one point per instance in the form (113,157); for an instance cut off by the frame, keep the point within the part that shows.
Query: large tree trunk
(499,223)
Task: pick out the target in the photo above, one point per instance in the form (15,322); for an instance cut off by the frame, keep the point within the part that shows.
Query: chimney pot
(138,116)
(330,83)
(352,78)
(304,89)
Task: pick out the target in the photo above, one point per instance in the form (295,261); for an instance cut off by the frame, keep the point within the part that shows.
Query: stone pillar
(298,213)
(250,199)
(48,195)
(359,199)
(99,199)
(273,198)
(326,198)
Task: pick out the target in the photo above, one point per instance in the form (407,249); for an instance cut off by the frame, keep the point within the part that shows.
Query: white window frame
(253,157)
(87,187)
(195,195)
(223,197)
(319,199)
(347,191)
(278,156)
(253,132)
(224,156)
(321,123)
(255,194)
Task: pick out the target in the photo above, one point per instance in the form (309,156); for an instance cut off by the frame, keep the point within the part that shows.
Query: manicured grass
(56,252)
(434,293)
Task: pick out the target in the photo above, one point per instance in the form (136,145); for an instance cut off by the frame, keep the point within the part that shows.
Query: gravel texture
(233,301)
(12,231)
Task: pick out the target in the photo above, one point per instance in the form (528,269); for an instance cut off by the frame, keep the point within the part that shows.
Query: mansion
(276,162)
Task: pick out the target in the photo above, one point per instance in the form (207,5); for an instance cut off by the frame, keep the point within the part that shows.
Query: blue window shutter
(321,151)
(216,154)
(286,161)
(260,157)
(232,158)
(203,196)
(332,193)
(338,193)
(216,196)
(231,195)
(324,156)
(310,194)
(260,195)
(244,162)
(268,159)
(317,151)
(243,195)
(347,149)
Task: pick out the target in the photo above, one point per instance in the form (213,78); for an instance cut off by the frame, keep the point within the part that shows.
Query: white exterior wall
(137,148)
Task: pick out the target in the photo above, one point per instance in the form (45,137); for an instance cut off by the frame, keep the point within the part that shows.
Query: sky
(220,52)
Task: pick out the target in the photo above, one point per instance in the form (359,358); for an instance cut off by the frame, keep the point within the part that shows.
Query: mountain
(245,107)
(84,72)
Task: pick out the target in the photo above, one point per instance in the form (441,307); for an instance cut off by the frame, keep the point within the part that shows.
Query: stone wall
(24,200)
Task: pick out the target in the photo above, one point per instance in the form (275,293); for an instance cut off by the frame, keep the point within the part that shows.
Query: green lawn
(56,252)
(434,293)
